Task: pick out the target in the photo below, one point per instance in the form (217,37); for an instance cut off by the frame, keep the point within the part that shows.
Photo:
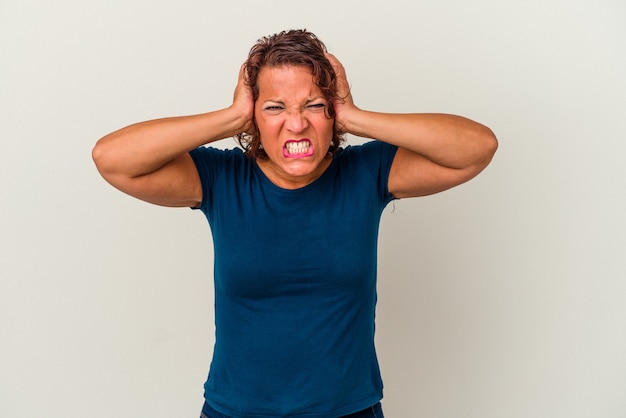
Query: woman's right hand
(150,160)
(243,101)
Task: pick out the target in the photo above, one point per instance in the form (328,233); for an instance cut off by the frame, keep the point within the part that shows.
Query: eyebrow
(309,100)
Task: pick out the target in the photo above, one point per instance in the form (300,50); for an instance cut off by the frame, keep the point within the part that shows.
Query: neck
(290,182)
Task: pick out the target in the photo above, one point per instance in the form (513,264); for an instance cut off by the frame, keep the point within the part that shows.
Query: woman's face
(293,128)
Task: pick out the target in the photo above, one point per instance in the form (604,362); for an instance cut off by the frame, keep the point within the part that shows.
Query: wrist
(241,119)
(350,121)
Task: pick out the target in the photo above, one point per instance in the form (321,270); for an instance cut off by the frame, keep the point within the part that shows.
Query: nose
(296,121)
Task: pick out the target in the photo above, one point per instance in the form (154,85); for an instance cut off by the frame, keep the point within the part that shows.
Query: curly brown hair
(293,47)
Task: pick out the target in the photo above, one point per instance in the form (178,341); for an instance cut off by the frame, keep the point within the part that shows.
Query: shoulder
(215,163)
(372,152)
(368,164)
(369,154)
(369,147)
(206,152)
(221,171)
(210,159)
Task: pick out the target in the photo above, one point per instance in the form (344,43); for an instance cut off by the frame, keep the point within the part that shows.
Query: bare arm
(150,160)
(436,151)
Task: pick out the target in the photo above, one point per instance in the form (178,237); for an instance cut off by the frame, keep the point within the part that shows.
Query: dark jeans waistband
(375,411)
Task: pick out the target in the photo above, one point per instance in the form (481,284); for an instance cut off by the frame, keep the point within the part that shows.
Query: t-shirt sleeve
(211,163)
(203,158)
(377,157)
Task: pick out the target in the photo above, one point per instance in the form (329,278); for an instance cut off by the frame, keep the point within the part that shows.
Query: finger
(343,87)
(242,73)
(337,66)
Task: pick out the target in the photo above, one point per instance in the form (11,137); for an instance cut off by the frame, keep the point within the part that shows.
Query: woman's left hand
(435,151)
(344,105)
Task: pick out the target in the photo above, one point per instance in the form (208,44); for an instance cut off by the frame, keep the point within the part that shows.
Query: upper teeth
(297,147)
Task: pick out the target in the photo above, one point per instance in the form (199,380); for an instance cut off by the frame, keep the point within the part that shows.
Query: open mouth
(298,149)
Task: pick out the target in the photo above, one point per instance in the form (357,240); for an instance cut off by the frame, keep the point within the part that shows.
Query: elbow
(492,145)
(102,157)
(489,144)
(98,155)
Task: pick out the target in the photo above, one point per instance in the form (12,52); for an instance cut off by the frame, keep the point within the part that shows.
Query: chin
(301,170)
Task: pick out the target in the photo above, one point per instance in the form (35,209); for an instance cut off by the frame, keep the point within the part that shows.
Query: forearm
(447,140)
(147,146)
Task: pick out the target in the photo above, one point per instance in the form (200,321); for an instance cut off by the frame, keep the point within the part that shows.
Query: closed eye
(316,106)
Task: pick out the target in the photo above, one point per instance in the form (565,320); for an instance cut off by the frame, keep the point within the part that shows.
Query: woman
(294,219)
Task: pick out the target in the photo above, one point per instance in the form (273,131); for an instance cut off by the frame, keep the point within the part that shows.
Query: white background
(504,297)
